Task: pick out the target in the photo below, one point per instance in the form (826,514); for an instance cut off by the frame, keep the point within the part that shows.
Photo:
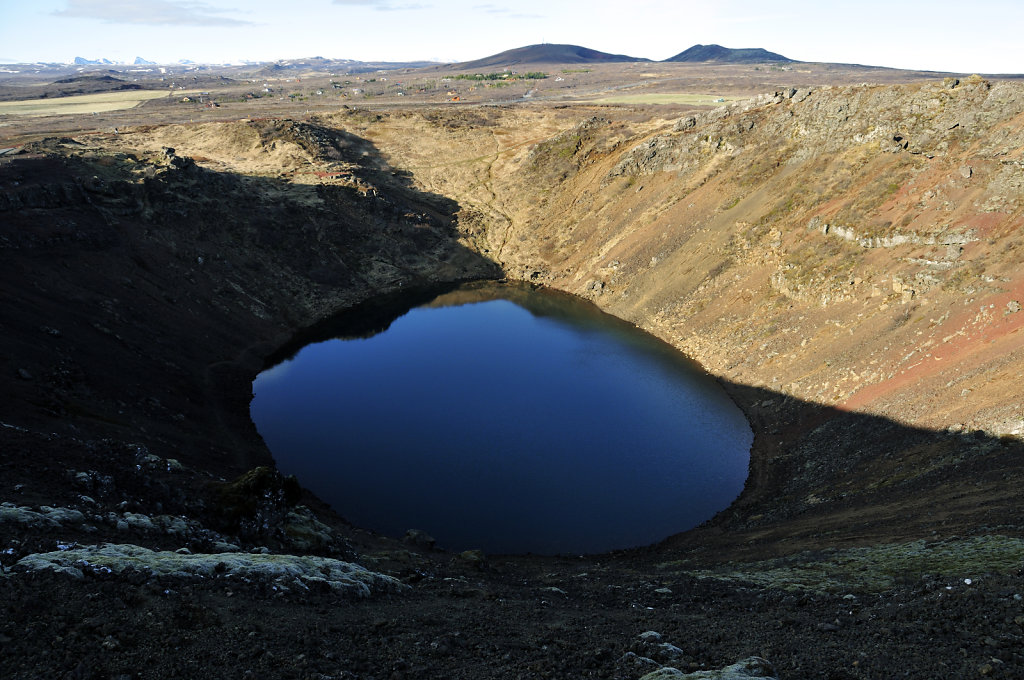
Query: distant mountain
(546,54)
(339,66)
(752,55)
(82,61)
(88,79)
(140,61)
(79,84)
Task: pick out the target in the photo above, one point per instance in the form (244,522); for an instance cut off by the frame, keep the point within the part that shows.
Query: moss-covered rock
(751,667)
(297,570)
(45,517)
(257,502)
(305,532)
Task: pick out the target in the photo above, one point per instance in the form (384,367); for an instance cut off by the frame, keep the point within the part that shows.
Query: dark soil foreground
(141,294)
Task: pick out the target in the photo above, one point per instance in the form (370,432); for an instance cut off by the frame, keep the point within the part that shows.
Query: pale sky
(983,36)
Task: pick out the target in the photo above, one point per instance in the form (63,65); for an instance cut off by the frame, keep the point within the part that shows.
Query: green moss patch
(877,568)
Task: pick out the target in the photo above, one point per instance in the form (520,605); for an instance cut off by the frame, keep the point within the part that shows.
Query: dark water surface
(507,419)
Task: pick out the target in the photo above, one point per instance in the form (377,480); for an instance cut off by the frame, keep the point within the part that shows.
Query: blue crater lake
(507,419)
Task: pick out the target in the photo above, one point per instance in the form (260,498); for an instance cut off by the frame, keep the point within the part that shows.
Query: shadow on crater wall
(140,293)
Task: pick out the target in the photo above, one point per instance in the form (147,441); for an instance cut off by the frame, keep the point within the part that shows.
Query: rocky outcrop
(924,120)
(893,240)
(751,667)
(232,569)
(650,650)
(45,517)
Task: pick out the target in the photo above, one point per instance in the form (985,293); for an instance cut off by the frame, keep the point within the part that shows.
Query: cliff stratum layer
(845,260)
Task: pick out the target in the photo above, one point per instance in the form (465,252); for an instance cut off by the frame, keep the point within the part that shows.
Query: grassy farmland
(86,103)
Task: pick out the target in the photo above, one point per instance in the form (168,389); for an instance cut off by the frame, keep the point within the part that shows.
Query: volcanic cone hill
(750,55)
(546,54)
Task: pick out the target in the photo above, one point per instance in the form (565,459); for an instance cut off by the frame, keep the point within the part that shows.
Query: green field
(86,103)
(668,98)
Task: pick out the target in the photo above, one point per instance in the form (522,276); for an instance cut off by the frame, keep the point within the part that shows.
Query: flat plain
(83,104)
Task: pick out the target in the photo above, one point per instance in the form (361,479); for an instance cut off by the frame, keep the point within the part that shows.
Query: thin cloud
(156,12)
(400,8)
(380,5)
(505,11)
